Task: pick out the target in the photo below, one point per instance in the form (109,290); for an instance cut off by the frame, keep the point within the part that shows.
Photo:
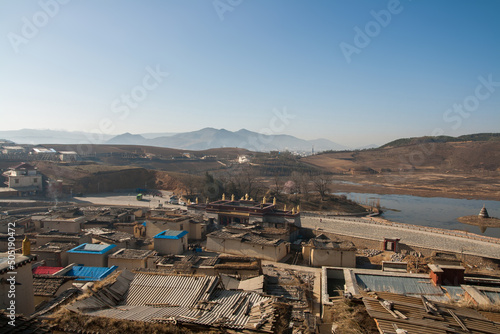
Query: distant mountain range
(196,140)
(214,138)
(35,137)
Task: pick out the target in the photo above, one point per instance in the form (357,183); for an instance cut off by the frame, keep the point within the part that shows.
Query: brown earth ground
(456,170)
(424,184)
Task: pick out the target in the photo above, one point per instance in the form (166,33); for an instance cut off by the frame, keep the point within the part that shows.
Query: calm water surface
(431,211)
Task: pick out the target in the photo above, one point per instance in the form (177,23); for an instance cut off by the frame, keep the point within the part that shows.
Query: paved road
(126,199)
(357,228)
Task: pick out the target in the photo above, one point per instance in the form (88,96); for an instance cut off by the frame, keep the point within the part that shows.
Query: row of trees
(244,180)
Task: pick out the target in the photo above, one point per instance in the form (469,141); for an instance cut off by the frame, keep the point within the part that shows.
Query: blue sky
(86,66)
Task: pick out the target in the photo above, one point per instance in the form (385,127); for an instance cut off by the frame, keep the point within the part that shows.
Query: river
(437,212)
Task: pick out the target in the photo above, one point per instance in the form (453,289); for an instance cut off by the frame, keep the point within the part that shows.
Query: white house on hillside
(24,178)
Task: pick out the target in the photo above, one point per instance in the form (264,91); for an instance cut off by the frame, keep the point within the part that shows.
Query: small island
(483,219)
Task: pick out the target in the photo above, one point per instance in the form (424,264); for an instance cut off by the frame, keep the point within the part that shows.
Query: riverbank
(460,186)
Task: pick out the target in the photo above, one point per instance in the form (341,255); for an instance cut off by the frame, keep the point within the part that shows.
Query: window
(182,227)
(35,180)
(16,181)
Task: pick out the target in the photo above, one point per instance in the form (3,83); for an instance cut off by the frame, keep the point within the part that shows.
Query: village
(234,265)
(233,166)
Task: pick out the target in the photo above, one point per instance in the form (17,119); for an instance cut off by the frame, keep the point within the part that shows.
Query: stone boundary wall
(365,243)
(383,222)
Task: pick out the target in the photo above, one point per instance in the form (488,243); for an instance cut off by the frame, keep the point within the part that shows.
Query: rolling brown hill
(223,152)
(449,169)
(465,157)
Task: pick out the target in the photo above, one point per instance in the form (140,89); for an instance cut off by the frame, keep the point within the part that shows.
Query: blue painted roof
(92,248)
(170,234)
(90,273)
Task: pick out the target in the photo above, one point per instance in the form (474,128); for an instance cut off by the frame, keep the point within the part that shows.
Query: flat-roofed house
(78,238)
(247,244)
(68,155)
(63,224)
(171,242)
(91,255)
(166,221)
(322,251)
(131,258)
(54,253)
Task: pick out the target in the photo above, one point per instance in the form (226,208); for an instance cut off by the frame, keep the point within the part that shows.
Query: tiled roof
(245,237)
(324,242)
(47,285)
(125,253)
(55,246)
(115,236)
(22,165)
(53,304)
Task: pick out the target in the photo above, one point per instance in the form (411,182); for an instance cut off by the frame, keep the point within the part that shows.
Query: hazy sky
(355,72)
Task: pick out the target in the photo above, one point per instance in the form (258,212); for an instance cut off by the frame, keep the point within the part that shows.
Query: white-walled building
(24,178)
(68,156)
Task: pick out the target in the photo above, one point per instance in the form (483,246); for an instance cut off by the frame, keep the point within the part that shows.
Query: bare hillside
(451,169)
(463,156)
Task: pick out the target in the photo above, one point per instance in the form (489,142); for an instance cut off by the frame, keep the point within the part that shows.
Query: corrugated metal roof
(494,296)
(190,299)
(230,309)
(165,289)
(398,284)
(456,293)
(419,321)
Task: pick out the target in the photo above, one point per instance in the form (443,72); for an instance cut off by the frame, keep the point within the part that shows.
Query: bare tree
(278,184)
(321,183)
(191,184)
(302,183)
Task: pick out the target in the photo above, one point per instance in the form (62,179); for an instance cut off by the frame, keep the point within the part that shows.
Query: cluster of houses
(11,149)
(210,267)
